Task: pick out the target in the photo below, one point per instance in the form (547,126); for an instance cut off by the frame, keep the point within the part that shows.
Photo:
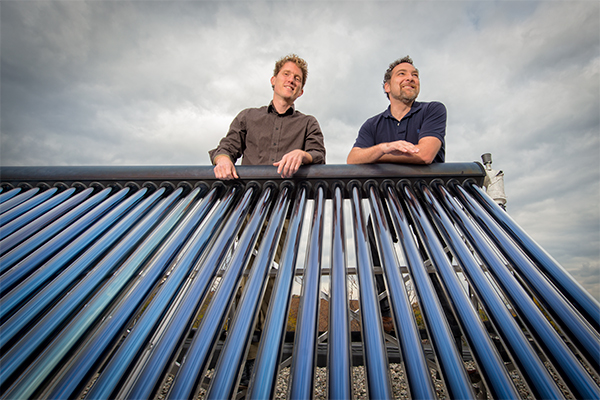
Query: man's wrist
(220,156)
(307,158)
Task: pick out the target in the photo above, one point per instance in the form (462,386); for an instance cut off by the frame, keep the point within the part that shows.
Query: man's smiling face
(287,84)
(404,84)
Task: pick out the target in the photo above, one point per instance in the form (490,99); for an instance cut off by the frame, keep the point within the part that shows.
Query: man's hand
(291,162)
(400,151)
(224,168)
(398,148)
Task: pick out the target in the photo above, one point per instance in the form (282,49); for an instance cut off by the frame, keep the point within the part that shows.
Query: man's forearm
(403,159)
(364,156)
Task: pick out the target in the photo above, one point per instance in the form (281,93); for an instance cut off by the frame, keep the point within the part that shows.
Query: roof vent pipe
(494,181)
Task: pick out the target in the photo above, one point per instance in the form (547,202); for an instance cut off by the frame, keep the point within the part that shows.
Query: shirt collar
(289,111)
(415,107)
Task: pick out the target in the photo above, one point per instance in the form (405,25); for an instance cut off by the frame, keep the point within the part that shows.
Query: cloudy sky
(157,82)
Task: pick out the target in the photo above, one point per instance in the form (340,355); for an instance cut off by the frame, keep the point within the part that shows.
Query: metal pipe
(329,173)
(340,346)
(409,339)
(449,359)
(305,344)
(374,350)
(581,298)
(262,384)
(231,356)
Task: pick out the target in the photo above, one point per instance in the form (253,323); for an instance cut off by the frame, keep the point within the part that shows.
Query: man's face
(287,84)
(404,84)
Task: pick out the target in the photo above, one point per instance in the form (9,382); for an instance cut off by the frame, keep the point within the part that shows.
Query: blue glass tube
(41,302)
(212,321)
(305,341)
(79,326)
(220,233)
(81,221)
(99,346)
(374,350)
(48,232)
(34,213)
(191,370)
(262,384)
(231,356)
(581,333)
(113,373)
(26,206)
(449,359)
(21,355)
(524,355)
(488,359)
(340,346)
(582,300)
(27,288)
(9,195)
(409,338)
(15,201)
(40,223)
(554,347)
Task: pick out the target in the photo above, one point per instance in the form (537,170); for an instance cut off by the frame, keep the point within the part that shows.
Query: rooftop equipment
(134,282)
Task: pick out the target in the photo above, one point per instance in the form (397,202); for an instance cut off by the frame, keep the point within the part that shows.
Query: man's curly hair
(388,73)
(296,60)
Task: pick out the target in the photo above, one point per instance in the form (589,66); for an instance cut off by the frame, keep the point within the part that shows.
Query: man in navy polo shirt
(408,131)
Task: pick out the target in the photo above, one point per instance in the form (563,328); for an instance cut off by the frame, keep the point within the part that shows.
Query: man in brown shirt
(276,134)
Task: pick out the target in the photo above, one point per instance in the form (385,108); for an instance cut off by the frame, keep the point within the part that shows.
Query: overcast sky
(157,82)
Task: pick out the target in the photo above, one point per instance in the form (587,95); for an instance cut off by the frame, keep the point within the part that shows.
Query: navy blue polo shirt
(423,119)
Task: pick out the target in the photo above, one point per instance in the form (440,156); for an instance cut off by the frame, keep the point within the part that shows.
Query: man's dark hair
(388,73)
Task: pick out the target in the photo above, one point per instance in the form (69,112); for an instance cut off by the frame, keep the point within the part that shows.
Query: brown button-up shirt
(261,136)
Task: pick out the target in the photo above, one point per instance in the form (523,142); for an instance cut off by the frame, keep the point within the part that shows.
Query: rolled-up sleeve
(234,143)
(314,143)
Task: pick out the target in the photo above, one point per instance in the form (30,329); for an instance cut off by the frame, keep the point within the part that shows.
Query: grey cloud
(159,82)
